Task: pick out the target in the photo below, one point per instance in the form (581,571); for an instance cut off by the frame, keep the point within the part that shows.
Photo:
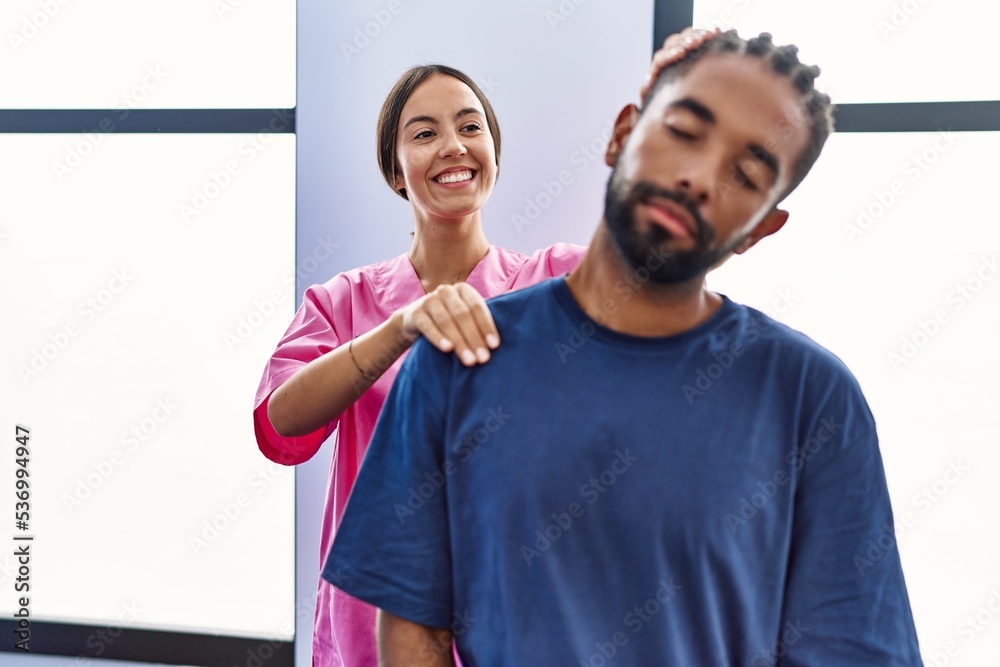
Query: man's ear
(624,125)
(771,223)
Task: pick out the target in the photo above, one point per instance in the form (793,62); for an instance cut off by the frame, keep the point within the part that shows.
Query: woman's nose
(452,145)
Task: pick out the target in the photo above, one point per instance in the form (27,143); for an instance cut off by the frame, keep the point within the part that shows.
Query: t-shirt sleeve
(392,548)
(556,260)
(311,334)
(845,601)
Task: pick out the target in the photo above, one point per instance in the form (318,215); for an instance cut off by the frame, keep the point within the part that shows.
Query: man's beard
(650,249)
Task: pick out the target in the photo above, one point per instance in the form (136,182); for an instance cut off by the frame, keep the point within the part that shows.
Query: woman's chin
(457,211)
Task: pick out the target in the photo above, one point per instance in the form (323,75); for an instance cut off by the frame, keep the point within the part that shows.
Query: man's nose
(696,179)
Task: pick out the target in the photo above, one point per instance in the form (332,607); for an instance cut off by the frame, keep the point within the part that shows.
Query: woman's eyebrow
(430,119)
(420,119)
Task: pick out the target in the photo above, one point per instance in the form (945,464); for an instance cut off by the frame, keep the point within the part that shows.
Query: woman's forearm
(324,388)
(403,643)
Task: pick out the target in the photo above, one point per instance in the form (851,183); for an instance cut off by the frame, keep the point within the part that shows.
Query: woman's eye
(472,127)
(423,134)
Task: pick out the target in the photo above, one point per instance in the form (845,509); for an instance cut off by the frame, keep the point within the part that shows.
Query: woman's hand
(454,318)
(674,49)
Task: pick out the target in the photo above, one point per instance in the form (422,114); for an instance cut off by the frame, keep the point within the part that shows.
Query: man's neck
(625,300)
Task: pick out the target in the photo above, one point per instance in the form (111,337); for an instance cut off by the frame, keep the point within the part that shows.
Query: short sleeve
(392,549)
(556,260)
(845,598)
(311,334)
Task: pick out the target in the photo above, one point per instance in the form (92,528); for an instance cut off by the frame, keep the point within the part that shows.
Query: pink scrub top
(349,305)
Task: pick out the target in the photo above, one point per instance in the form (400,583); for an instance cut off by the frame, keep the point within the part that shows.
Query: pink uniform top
(349,305)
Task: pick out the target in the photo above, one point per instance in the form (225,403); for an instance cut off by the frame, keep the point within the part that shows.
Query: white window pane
(879,50)
(141,332)
(889,259)
(164,54)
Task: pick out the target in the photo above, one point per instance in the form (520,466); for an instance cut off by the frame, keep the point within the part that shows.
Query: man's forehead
(731,74)
(745,92)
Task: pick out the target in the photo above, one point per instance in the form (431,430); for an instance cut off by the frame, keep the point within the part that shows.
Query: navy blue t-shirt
(592,498)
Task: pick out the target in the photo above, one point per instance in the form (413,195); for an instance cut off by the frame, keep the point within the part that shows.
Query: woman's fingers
(481,316)
(423,324)
(458,315)
(674,48)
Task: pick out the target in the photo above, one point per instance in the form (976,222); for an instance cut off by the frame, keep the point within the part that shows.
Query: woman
(438,148)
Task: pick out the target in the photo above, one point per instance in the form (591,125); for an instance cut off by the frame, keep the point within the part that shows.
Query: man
(647,473)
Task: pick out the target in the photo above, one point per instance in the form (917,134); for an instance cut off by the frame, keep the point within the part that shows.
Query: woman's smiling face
(447,160)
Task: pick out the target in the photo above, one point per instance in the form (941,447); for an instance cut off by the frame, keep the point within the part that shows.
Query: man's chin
(667,269)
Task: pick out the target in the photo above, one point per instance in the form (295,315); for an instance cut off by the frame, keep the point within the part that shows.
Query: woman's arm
(452,317)
(403,643)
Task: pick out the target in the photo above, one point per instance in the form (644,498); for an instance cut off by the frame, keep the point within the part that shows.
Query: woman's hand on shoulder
(454,318)
(674,49)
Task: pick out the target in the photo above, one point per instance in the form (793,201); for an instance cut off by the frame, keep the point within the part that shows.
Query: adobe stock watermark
(743,178)
(101,640)
(440,643)
(791,634)
(134,97)
(590,491)
(88,310)
(220,179)
(586,154)
(264,307)
(261,311)
(635,620)
(882,200)
(706,377)
(961,294)
(464,449)
(223,8)
(625,288)
(924,501)
(560,13)
(131,439)
(229,512)
(32,24)
(8,569)
(305,609)
(726,18)
(366,33)
(971,627)
(899,16)
(766,489)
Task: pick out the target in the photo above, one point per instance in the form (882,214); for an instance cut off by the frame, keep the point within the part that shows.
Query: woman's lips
(455,178)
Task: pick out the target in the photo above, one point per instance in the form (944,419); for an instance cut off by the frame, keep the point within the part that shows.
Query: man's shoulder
(517,303)
(794,348)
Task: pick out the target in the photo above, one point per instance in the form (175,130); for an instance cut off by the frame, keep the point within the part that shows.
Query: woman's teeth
(455,177)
